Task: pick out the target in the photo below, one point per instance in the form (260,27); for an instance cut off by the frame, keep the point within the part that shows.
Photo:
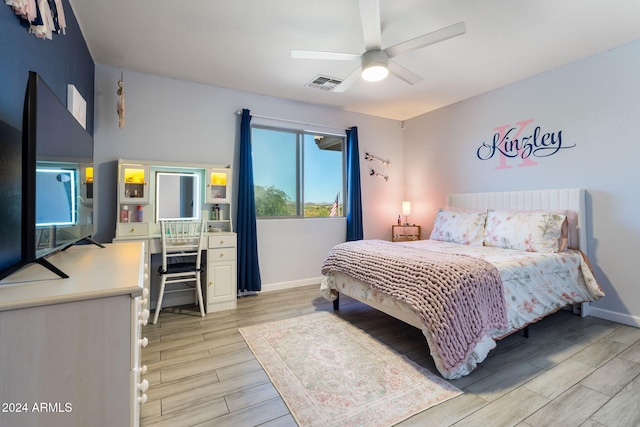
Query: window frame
(300,153)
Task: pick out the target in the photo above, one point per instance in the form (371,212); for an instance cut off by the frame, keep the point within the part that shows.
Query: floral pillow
(528,231)
(464,227)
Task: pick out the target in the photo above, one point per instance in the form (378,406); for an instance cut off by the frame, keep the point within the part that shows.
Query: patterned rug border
(308,411)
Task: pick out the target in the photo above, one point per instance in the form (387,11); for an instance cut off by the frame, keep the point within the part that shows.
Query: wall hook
(374,173)
(371,158)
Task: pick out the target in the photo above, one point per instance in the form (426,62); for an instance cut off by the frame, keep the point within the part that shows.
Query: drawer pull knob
(143,316)
(221,254)
(145,295)
(132,230)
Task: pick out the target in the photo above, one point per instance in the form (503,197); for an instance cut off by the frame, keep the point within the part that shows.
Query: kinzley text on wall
(521,141)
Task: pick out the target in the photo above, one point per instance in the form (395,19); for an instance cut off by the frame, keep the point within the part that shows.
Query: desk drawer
(222,241)
(126,229)
(222,254)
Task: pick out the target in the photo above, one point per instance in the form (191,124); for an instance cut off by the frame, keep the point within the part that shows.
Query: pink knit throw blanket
(457,297)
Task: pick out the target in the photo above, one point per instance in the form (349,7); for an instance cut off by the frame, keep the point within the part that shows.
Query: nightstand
(405,233)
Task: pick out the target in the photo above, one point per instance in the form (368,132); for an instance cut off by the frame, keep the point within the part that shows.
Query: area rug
(330,373)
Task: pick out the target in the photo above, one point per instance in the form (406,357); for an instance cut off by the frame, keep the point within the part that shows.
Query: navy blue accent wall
(61,61)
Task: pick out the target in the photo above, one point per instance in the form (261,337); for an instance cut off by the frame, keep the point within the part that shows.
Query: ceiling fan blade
(351,79)
(335,56)
(370,17)
(404,73)
(427,39)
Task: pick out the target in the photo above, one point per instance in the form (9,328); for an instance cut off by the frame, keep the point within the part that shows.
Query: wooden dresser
(70,348)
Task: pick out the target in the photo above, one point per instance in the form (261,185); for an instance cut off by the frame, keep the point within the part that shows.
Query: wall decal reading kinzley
(508,144)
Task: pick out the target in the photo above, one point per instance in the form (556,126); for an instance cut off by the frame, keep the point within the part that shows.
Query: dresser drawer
(222,241)
(126,229)
(221,254)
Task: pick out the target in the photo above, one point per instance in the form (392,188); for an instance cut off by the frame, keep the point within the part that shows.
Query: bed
(494,263)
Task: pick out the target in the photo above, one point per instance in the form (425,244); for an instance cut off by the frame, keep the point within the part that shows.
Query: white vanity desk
(218,278)
(70,348)
(187,191)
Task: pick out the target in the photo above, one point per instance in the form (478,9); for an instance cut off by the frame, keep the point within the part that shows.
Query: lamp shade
(406,208)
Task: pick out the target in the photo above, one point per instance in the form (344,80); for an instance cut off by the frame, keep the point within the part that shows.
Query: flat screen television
(55,151)
(11,223)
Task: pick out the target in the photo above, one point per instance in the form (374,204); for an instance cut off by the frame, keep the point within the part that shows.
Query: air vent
(324,83)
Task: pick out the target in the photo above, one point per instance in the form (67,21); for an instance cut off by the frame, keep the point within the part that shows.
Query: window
(296,173)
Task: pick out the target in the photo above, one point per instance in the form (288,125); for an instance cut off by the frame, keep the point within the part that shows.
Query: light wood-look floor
(571,371)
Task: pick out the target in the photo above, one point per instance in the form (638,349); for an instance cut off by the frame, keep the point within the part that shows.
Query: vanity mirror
(177,196)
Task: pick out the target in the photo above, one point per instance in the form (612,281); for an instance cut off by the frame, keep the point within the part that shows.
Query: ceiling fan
(375,62)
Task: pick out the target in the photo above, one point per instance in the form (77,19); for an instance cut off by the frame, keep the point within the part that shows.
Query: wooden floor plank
(572,369)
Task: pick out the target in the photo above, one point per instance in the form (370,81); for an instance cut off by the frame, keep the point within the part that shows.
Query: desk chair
(182,243)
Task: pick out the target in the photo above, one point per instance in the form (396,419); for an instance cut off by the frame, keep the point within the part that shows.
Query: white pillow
(457,226)
(528,231)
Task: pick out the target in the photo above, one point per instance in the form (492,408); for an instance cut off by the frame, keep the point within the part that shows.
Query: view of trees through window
(297,174)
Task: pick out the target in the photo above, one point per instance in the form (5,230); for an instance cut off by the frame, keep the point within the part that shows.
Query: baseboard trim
(614,316)
(292,284)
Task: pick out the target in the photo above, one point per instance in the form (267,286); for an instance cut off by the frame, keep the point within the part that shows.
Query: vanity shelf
(133,185)
(86,183)
(218,185)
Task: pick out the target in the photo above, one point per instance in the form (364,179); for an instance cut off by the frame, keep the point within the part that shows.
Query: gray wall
(174,120)
(595,102)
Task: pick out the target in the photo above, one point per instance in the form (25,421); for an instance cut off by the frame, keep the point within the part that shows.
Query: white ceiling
(246,44)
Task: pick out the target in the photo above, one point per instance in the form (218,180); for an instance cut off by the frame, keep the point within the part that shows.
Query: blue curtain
(248,268)
(354,200)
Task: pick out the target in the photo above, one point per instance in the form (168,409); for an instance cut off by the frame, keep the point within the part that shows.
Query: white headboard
(565,199)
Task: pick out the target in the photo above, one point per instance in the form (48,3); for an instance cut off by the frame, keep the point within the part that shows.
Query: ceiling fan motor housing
(375,65)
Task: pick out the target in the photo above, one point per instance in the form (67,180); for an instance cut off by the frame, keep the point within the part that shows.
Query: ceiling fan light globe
(374,65)
(375,72)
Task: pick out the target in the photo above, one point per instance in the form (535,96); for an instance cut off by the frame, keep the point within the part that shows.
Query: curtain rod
(239,113)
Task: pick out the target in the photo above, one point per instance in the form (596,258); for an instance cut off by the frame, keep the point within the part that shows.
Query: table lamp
(406,211)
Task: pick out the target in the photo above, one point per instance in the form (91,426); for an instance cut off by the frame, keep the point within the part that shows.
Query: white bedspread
(535,285)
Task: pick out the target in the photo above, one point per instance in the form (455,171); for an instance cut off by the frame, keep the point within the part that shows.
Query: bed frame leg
(336,302)
(525,332)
